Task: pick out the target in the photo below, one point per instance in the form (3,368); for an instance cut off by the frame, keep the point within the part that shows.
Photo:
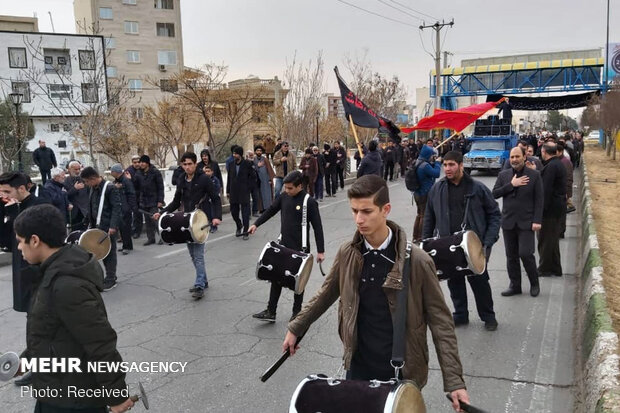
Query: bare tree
(12,141)
(604,112)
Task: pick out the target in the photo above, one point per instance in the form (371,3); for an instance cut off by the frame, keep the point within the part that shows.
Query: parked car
(593,137)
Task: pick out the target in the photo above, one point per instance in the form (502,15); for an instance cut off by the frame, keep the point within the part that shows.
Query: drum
(95,241)
(182,227)
(457,254)
(287,267)
(318,393)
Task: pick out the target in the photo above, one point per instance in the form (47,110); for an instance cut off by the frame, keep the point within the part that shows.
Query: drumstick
(103,237)
(321,268)
(275,366)
(466,407)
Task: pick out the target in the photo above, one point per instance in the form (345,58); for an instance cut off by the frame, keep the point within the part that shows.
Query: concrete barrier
(598,373)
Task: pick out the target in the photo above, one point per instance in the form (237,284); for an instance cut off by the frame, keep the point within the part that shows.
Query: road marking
(250,281)
(542,397)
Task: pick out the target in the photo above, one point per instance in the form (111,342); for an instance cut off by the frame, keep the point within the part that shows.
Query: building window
(62,144)
(133,56)
(17,57)
(87,59)
(57,61)
(111,71)
(131,27)
(135,85)
(66,127)
(129,1)
(164,4)
(168,85)
(165,29)
(58,91)
(110,43)
(23,88)
(54,127)
(89,93)
(105,13)
(137,113)
(167,57)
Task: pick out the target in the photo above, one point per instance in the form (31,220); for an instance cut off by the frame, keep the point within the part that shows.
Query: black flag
(361,114)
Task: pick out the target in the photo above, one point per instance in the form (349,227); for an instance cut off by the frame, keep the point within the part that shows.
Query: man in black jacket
(45,159)
(371,163)
(455,201)
(194,188)
(104,212)
(56,192)
(341,163)
(290,205)
(15,200)
(240,182)
(68,319)
(389,159)
(331,174)
(77,193)
(131,172)
(522,190)
(128,205)
(554,189)
(151,196)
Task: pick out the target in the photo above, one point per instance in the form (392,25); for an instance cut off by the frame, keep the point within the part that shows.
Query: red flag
(453,119)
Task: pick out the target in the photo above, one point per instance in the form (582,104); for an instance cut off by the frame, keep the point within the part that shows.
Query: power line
(377,14)
(400,10)
(414,10)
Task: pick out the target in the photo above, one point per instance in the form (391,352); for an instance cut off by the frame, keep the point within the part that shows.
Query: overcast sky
(256,36)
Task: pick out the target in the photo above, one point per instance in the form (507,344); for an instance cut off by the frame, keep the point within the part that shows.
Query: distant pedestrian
(151,196)
(45,159)
(240,182)
(129,205)
(331,174)
(56,192)
(285,162)
(265,175)
(371,163)
(427,170)
(318,185)
(389,159)
(207,159)
(77,194)
(341,162)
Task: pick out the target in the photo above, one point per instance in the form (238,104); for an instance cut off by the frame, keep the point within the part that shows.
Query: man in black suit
(554,187)
(240,182)
(522,190)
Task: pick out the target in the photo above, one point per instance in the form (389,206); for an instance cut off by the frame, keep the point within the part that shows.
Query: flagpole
(452,136)
(357,141)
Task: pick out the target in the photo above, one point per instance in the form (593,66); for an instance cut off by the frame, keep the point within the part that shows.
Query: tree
(11,146)
(332,128)
(603,112)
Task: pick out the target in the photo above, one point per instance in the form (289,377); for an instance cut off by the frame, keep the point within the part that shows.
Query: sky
(258,37)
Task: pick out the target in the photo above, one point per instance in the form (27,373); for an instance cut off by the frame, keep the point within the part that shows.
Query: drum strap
(101,202)
(399,318)
(304,225)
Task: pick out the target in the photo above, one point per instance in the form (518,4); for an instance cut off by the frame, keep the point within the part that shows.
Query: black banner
(361,114)
(547,102)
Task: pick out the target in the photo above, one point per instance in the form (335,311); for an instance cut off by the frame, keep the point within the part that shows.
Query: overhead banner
(546,102)
(613,64)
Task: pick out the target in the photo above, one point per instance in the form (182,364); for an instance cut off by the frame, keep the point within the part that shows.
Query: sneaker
(460,321)
(198,293)
(265,315)
(120,249)
(213,229)
(108,284)
(124,251)
(490,325)
(238,232)
(195,288)
(245,236)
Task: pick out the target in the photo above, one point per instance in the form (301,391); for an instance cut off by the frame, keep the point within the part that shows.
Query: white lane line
(250,281)
(517,386)
(542,397)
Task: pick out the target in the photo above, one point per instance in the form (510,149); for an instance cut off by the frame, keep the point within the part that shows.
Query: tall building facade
(144,43)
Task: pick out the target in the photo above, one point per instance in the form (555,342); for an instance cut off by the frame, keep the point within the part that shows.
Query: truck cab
(488,152)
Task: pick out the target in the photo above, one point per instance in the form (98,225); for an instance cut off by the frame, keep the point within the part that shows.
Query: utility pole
(445,58)
(437,27)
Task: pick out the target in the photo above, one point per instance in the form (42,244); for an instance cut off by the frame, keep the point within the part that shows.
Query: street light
(16,98)
(318,115)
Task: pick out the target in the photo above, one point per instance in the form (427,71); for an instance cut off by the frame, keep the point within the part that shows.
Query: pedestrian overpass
(547,76)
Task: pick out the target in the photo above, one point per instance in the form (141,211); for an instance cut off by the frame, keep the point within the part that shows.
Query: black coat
(151,186)
(78,198)
(330,161)
(389,155)
(554,187)
(320,160)
(370,164)
(483,215)
(215,167)
(240,185)
(127,193)
(57,196)
(196,194)
(44,158)
(68,319)
(25,276)
(112,208)
(340,155)
(523,205)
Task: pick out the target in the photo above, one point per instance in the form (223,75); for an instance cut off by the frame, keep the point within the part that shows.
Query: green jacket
(426,308)
(68,318)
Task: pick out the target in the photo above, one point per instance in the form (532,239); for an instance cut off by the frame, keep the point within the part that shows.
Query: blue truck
(487,153)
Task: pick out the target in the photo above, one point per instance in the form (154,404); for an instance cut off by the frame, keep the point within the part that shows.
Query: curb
(599,373)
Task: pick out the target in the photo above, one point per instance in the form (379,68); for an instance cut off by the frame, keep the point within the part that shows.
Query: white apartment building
(61,76)
(143,41)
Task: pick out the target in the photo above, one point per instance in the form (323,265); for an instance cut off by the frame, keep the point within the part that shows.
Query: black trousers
(150,223)
(340,172)
(245,214)
(331,182)
(549,246)
(109,262)
(420,203)
(482,294)
(125,231)
(136,224)
(274,296)
(389,171)
(520,245)
(45,175)
(41,407)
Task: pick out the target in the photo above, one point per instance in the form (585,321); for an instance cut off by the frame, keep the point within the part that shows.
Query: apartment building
(144,44)
(60,76)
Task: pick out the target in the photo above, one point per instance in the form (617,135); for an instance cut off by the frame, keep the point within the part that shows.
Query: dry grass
(606,210)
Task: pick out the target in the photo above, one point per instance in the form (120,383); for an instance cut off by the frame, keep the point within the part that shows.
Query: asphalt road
(524,366)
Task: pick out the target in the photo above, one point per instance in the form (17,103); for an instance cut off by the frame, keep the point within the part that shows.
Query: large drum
(95,241)
(182,227)
(318,393)
(458,254)
(287,267)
